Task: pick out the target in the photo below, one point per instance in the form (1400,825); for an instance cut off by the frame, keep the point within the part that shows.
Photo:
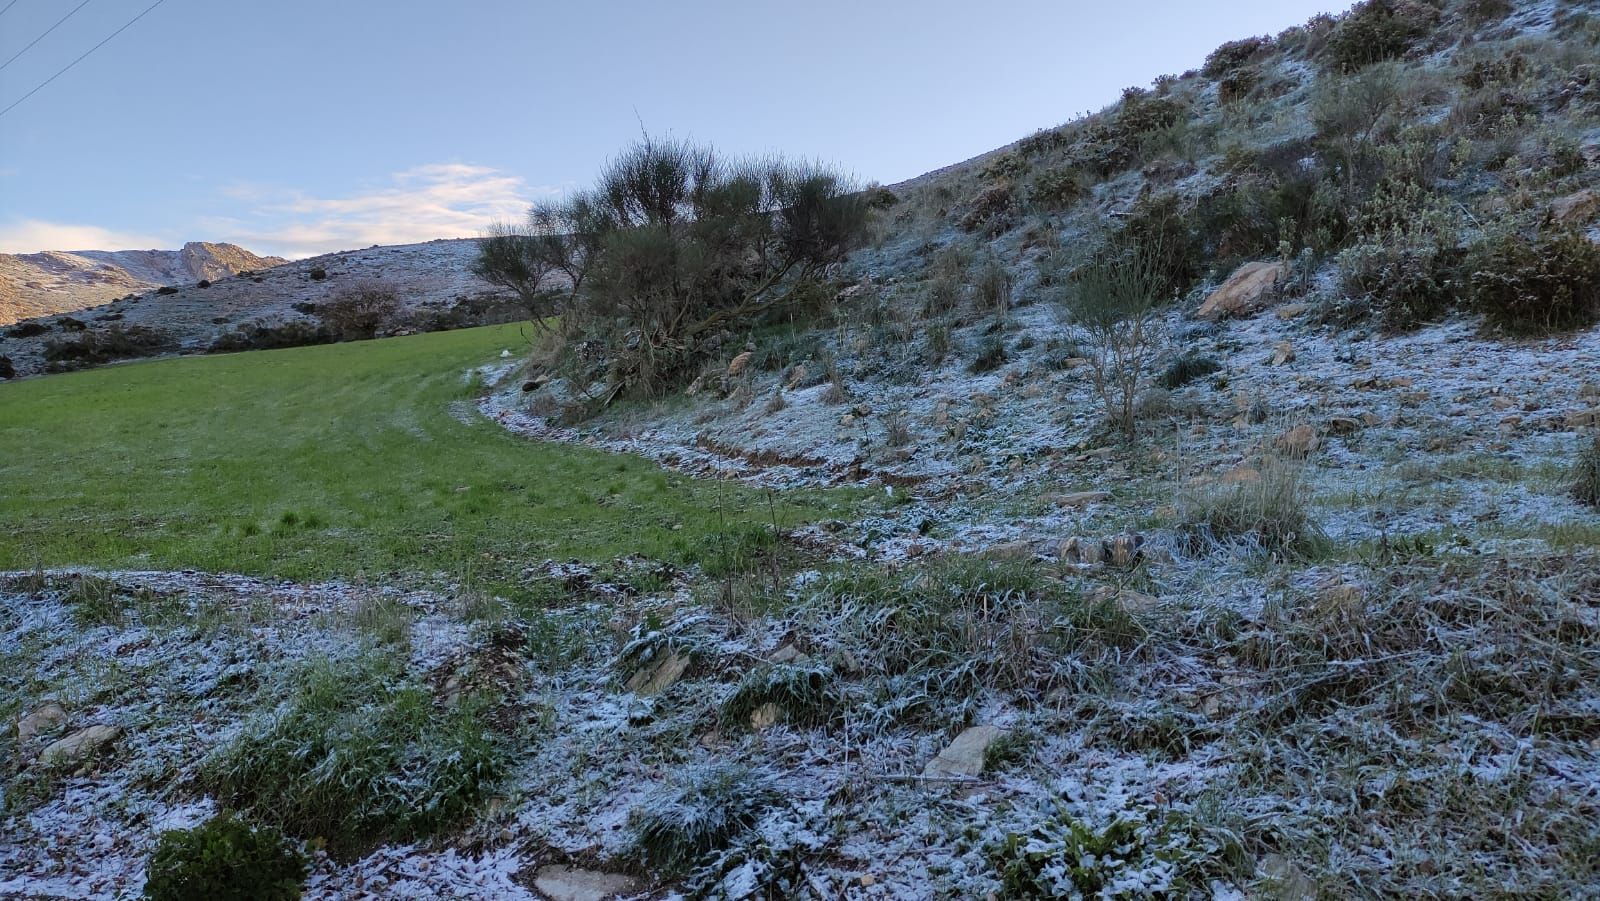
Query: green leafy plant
(225,859)
(1533,285)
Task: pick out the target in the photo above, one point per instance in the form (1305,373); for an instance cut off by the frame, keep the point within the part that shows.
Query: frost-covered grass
(336,461)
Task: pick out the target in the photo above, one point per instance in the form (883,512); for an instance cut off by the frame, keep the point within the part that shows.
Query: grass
(332,461)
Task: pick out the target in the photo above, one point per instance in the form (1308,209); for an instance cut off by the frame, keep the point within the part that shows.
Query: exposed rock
(1282,353)
(1080,499)
(1583,419)
(739,363)
(788,654)
(1246,292)
(1083,550)
(1576,208)
(79,746)
(562,883)
(654,679)
(47,717)
(1123,550)
(765,716)
(1010,550)
(965,755)
(1125,599)
(1299,441)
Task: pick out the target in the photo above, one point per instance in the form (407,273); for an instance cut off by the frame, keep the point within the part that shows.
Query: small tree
(673,246)
(1115,301)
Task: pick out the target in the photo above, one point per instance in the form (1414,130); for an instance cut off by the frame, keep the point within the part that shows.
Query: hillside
(1197,499)
(432,285)
(43,284)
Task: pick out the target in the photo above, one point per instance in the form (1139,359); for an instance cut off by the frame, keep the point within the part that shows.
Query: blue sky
(299,127)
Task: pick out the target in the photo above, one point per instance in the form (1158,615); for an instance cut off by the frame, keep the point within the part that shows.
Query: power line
(46,33)
(83,57)
(8,7)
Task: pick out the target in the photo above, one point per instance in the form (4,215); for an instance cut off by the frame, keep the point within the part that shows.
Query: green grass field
(333,461)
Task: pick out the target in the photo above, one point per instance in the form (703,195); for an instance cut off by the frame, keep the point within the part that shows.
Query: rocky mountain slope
(42,284)
(432,284)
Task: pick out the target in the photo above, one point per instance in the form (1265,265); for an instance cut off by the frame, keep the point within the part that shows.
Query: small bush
(1586,473)
(1186,369)
(356,312)
(318,273)
(1378,30)
(1233,55)
(118,342)
(1549,282)
(28,330)
(270,335)
(1057,189)
(1115,301)
(704,813)
(223,860)
(8,369)
(991,286)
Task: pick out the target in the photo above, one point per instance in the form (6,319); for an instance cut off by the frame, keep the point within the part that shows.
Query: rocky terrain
(427,280)
(41,284)
(1319,619)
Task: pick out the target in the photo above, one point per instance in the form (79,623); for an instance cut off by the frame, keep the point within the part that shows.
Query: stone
(1288,882)
(1126,599)
(965,755)
(1241,475)
(1577,208)
(1344,425)
(1502,403)
(1282,353)
(797,375)
(1082,550)
(1010,550)
(1081,499)
(1246,292)
(654,679)
(1124,549)
(44,719)
(562,883)
(739,363)
(788,654)
(1291,310)
(1583,419)
(79,746)
(1299,441)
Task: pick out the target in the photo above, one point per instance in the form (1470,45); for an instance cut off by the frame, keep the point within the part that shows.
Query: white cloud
(35,235)
(443,200)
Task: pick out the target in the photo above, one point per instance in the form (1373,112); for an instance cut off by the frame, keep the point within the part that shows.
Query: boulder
(1246,292)
(965,755)
(1123,550)
(1080,499)
(79,746)
(44,719)
(1344,425)
(561,883)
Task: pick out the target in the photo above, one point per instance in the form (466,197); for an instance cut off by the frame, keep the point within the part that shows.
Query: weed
(703,812)
(1268,510)
(803,694)
(991,355)
(225,859)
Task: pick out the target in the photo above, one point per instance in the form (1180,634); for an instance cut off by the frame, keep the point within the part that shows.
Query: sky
(298,127)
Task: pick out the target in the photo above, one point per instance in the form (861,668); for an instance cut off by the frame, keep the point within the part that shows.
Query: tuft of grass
(1269,511)
(96,601)
(803,694)
(190,463)
(703,812)
(1586,473)
(357,752)
(1186,369)
(991,355)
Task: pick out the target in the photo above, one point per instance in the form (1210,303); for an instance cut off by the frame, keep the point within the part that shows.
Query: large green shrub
(1534,285)
(225,859)
(1233,55)
(1379,30)
(673,248)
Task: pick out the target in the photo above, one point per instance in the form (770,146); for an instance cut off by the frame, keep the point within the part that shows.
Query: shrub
(1186,369)
(8,369)
(1115,301)
(1057,189)
(1586,473)
(222,860)
(709,808)
(318,273)
(1549,282)
(1378,30)
(991,210)
(271,334)
(117,342)
(675,246)
(357,752)
(30,329)
(1237,85)
(1407,266)
(357,311)
(1233,55)
(166,290)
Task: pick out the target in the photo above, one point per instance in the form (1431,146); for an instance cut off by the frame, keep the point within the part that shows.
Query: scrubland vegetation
(1231,530)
